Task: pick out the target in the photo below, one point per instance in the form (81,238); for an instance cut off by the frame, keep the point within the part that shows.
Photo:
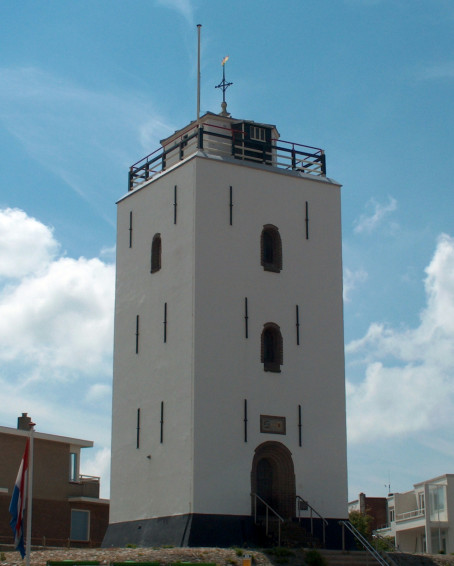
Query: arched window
(272,355)
(156,253)
(271,248)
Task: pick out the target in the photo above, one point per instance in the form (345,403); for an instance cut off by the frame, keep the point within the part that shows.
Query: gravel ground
(221,556)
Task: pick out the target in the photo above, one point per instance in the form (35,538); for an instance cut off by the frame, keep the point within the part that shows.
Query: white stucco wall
(207,368)
(227,365)
(160,485)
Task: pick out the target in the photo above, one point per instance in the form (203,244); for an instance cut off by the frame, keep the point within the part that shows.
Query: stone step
(343,558)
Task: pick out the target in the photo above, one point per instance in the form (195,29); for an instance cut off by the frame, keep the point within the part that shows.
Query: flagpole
(198,71)
(28,545)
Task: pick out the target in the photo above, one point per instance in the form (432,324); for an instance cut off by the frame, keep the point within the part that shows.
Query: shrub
(280,552)
(314,558)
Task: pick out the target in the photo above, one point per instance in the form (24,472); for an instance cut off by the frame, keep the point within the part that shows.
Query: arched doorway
(273,477)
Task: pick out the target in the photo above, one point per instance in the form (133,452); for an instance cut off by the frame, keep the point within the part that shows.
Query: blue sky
(89,87)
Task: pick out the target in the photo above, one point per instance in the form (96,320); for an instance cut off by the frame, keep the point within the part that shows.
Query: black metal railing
(221,141)
(382,558)
(303,505)
(270,516)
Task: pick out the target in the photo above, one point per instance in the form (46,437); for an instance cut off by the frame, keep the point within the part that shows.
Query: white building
(422,520)
(229,351)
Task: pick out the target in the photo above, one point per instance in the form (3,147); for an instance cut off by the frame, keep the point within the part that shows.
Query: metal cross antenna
(224,85)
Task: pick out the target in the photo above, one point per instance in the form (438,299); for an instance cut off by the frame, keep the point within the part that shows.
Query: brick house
(66,505)
(375,507)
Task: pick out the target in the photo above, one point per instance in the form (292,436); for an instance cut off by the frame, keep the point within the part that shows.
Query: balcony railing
(84,486)
(221,141)
(416,513)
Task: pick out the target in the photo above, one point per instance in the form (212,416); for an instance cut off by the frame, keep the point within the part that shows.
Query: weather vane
(224,85)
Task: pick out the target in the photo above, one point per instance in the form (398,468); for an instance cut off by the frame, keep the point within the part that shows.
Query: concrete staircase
(403,559)
(345,558)
(293,535)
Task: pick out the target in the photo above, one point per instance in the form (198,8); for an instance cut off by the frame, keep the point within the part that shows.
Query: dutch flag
(18,502)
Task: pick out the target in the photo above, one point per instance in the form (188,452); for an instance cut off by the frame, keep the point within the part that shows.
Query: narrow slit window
(137,334)
(245,420)
(161,435)
(156,252)
(297,323)
(300,427)
(130,229)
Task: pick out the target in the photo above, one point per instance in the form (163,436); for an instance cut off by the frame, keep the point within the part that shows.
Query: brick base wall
(51,521)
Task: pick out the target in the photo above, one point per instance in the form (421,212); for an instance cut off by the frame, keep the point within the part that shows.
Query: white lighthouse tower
(229,395)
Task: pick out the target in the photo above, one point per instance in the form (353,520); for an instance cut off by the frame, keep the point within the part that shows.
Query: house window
(391,515)
(421,501)
(271,248)
(272,347)
(257,133)
(437,496)
(80,525)
(73,467)
(156,253)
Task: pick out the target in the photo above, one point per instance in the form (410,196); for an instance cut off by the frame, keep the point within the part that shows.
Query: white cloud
(26,245)
(60,318)
(183,7)
(97,463)
(108,252)
(99,392)
(56,335)
(408,386)
(351,281)
(62,124)
(369,222)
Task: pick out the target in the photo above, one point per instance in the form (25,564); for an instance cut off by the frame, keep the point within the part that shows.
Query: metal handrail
(416,513)
(268,508)
(281,154)
(391,545)
(324,521)
(388,561)
(85,479)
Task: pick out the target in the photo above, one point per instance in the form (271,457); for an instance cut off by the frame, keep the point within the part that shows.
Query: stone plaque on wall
(272,425)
